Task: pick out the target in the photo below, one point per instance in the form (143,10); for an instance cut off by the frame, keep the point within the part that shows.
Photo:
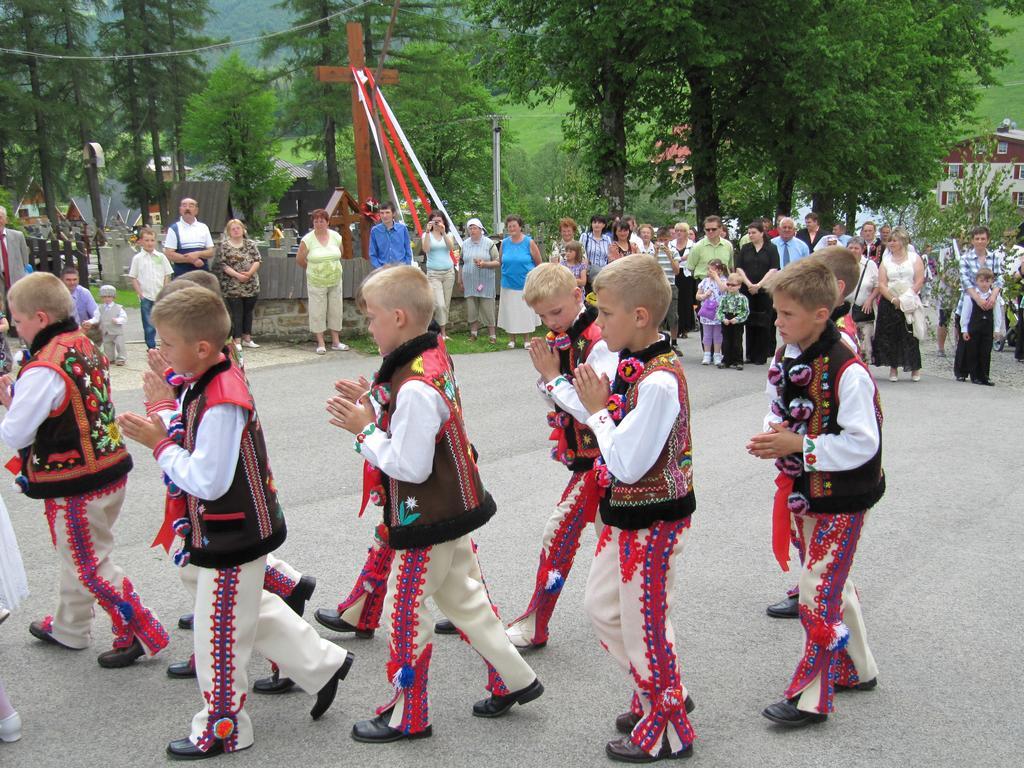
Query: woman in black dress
(757,261)
(687,286)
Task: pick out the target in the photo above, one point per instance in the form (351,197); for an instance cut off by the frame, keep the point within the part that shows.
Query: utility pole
(496,169)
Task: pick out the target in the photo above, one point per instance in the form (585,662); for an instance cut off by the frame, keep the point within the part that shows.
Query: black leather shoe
(37,631)
(182,670)
(377,731)
(626,722)
(302,592)
(867,685)
(789,608)
(496,706)
(785,713)
(116,658)
(445,627)
(184,749)
(274,684)
(625,751)
(186,621)
(961,378)
(325,696)
(330,618)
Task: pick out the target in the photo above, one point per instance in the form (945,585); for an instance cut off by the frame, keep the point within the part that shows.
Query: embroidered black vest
(246,522)
(666,491)
(581,448)
(452,501)
(832,492)
(78,448)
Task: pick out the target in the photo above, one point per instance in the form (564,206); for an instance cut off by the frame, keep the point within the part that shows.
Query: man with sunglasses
(710,247)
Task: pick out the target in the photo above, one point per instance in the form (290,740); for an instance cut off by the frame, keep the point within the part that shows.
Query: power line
(188,51)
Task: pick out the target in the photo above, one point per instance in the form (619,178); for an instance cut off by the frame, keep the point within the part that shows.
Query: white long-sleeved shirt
(206,472)
(858,441)
(408,453)
(38,393)
(563,394)
(631,447)
(968,310)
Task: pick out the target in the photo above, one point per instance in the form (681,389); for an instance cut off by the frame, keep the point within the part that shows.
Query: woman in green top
(320,255)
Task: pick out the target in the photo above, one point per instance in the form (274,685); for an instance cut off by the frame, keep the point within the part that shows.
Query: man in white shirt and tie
(791,248)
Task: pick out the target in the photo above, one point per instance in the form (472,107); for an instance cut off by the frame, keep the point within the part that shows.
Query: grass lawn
(290,153)
(124,298)
(533,127)
(458,344)
(1007,99)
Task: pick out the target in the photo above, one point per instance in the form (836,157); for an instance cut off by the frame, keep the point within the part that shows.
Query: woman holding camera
(438,246)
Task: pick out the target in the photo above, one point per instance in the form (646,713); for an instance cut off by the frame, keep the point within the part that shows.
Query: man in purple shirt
(85,304)
(389,240)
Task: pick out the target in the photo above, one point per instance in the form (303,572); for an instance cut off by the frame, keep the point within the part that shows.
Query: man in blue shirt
(791,248)
(389,240)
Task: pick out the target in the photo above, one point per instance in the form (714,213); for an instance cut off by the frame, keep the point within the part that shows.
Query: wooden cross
(360,126)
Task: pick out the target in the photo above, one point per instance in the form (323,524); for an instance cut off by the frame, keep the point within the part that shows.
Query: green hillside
(1006,99)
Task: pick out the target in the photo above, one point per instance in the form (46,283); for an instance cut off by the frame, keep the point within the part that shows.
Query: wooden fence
(282,278)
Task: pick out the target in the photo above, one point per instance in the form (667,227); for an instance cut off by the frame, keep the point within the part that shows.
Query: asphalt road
(938,570)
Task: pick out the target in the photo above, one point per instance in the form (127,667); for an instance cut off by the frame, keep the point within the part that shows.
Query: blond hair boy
(61,421)
(234,521)
(824,433)
(413,433)
(642,426)
(573,339)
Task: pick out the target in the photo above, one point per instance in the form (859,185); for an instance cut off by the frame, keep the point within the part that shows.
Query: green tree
(600,54)
(229,124)
(445,112)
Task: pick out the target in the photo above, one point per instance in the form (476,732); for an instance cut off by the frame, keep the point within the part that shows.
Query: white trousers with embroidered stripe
(628,598)
(559,544)
(82,530)
(233,615)
(450,574)
(830,611)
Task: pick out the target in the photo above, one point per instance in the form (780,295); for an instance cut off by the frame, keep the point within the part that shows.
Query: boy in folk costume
(824,432)
(234,520)
(643,429)
(845,267)
(282,579)
(574,339)
(433,500)
(61,420)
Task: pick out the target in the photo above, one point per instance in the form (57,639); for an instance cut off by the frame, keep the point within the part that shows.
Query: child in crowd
(433,500)
(824,432)
(60,419)
(733,311)
(709,293)
(574,339)
(668,259)
(234,520)
(150,271)
(110,318)
(643,430)
(976,325)
(13,589)
(575,261)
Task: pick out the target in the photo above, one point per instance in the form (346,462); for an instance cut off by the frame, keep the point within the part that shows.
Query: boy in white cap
(110,317)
